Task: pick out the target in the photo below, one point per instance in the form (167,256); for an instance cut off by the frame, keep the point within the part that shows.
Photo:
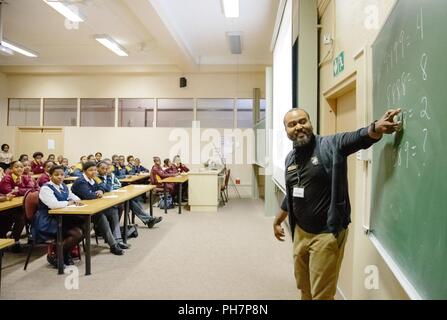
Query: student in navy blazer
(86,188)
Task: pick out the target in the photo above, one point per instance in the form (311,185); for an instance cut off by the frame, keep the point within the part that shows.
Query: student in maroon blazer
(17,184)
(37,164)
(179,165)
(157,174)
(45,177)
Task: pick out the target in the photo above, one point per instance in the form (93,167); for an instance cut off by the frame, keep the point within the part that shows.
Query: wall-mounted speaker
(183,82)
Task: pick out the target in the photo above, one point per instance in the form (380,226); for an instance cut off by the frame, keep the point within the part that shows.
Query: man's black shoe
(116,250)
(153,222)
(123,245)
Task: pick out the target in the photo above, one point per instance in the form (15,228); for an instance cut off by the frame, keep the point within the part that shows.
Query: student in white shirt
(55,195)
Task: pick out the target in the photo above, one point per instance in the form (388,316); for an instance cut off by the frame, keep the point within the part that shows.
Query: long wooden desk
(13,203)
(4,243)
(134,178)
(177,179)
(92,207)
(70,179)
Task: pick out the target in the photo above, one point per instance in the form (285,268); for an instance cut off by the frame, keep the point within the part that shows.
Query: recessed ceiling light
(111,44)
(19,49)
(231,8)
(69,12)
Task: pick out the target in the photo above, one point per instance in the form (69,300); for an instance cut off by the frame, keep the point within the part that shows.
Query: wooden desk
(177,179)
(134,178)
(204,189)
(4,243)
(14,203)
(70,179)
(93,207)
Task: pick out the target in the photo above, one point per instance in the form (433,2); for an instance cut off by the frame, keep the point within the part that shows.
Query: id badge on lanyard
(298,190)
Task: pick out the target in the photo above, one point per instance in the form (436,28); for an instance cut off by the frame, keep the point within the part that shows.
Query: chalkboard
(409,191)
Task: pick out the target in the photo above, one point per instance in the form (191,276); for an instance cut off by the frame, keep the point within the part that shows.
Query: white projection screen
(282,94)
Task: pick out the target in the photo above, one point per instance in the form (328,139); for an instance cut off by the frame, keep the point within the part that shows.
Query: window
(175,113)
(136,112)
(215,113)
(97,112)
(60,112)
(24,112)
(262,107)
(244,113)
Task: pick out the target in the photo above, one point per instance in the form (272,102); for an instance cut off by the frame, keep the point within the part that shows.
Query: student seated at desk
(55,195)
(130,167)
(110,182)
(67,170)
(98,156)
(138,168)
(168,167)
(23,158)
(52,158)
(120,168)
(179,165)
(157,174)
(76,170)
(59,160)
(91,158)
(37,164)
(86,188)
(18,184)
(45,177)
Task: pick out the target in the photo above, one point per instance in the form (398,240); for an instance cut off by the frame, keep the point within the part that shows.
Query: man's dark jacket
(333,151)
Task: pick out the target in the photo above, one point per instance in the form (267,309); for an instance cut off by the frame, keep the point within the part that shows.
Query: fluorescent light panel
(5,51)
(231,8)
(64,10)
(111,44)
(18,49)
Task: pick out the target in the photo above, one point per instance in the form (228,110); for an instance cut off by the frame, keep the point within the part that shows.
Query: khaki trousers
(317,260)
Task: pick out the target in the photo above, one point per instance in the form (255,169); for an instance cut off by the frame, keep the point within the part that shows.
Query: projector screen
(282,94)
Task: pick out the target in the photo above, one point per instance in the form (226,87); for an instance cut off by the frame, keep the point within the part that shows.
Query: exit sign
(339,64)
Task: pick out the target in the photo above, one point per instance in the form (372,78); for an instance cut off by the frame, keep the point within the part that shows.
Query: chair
(224,187)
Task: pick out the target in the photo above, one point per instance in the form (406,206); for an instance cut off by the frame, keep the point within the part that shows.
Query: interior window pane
(60,112)
(175,113)
(97,112)
(136,112)
(245,113)
(215,113)
(24,112)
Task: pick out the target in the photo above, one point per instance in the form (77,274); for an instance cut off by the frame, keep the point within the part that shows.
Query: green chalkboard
(409,191)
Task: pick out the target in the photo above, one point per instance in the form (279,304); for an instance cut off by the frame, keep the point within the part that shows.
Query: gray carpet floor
(231,254)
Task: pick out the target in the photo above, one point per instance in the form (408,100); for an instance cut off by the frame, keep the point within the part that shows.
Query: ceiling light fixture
(231,8)
(69,12)
(19,49)
(111,44)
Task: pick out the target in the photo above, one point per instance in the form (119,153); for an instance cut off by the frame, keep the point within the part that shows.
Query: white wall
(141,142)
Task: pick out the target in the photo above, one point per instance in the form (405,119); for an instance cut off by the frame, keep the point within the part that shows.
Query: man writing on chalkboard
(317,200)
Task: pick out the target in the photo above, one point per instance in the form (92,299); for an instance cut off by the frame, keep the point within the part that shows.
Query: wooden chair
(224,187)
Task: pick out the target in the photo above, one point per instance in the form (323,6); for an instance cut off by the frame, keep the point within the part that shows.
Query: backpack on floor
(132,231)
(166,203)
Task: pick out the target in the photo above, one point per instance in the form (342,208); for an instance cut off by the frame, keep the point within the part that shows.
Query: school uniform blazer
(37,168)
(157,174)
(84,190)
(44,178)
(25,183)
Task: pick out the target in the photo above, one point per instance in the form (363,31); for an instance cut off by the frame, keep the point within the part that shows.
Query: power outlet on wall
(237,181)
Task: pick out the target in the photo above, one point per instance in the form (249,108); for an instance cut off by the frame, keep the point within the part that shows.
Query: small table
(91,208)
(4,243)
(177,179)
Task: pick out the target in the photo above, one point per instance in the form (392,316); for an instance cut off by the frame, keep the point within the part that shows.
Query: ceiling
(182,35)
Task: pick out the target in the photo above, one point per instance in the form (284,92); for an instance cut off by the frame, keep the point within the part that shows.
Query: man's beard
(303,141)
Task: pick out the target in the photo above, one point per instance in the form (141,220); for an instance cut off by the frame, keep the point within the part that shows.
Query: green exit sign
(339,64)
